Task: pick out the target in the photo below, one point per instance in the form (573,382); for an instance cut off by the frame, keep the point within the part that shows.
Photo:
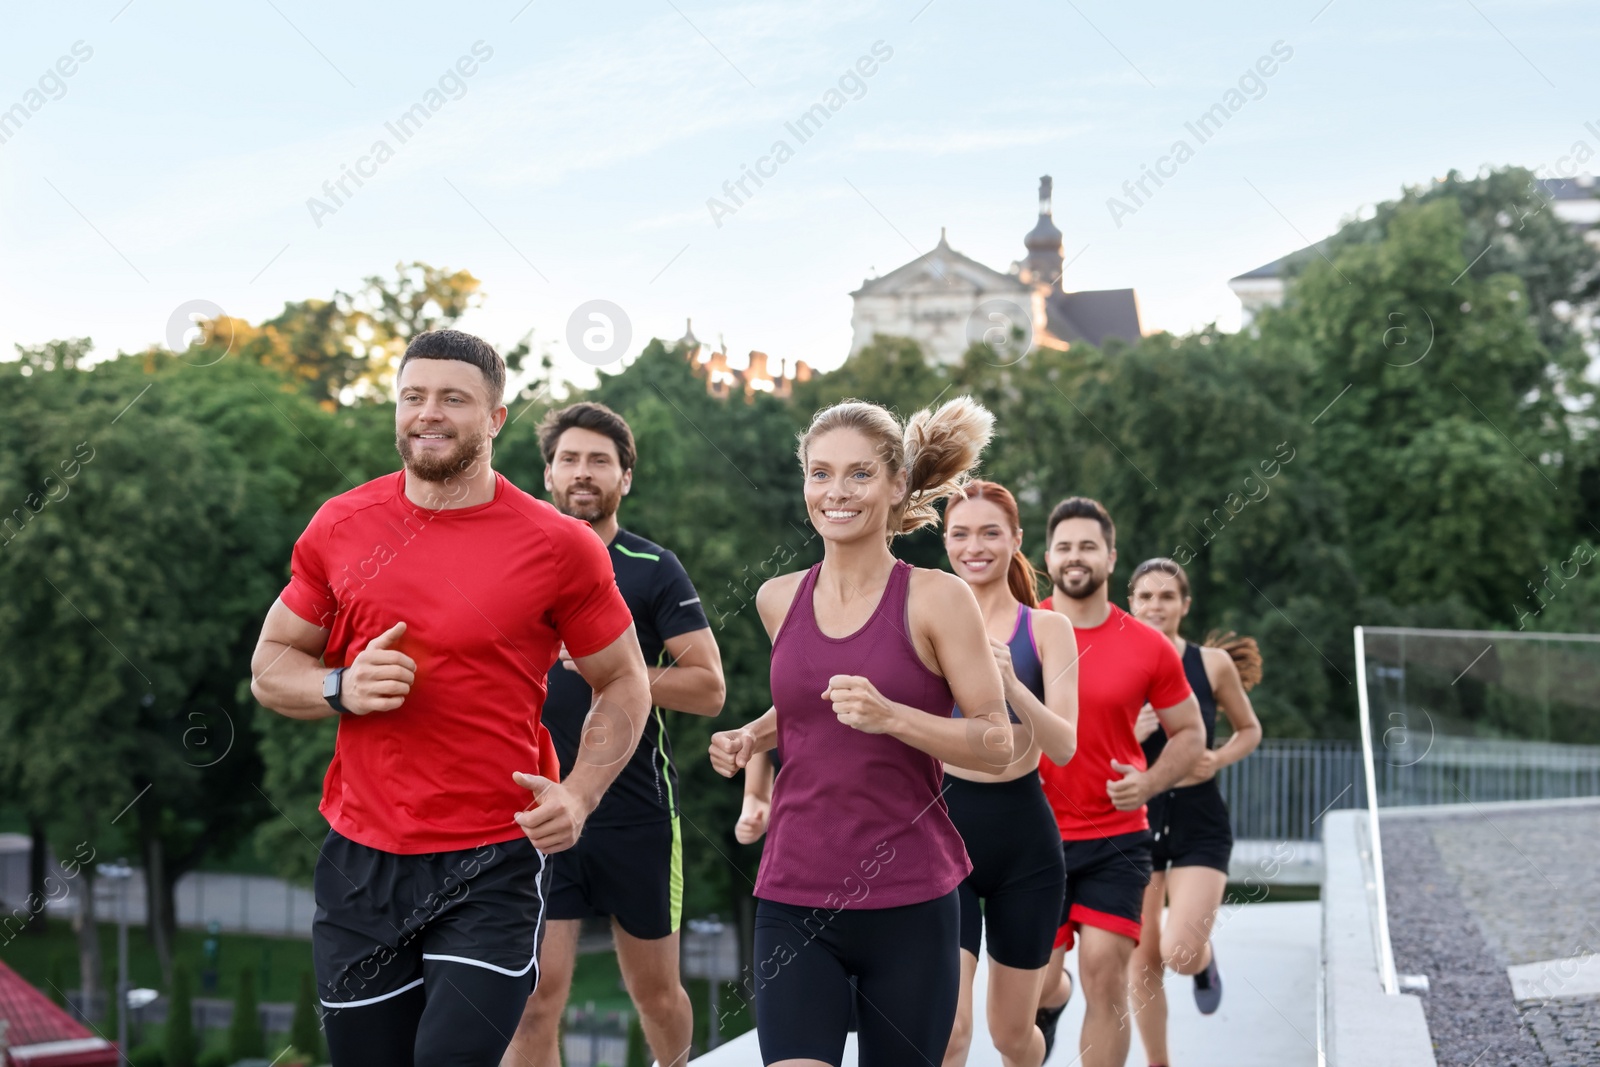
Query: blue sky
(575,162)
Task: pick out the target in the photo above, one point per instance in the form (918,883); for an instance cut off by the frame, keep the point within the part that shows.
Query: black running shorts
(1190,828)
(1106,877)
(380,914)
(632,873)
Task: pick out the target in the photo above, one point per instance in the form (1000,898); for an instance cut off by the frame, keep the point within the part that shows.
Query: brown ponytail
(1021,577)
(1245,652)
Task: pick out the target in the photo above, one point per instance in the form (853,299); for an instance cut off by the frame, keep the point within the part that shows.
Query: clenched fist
(731,750)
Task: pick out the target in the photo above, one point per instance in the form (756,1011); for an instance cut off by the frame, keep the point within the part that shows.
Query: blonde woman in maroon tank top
(859,874)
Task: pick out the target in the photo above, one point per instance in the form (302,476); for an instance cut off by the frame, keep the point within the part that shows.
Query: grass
(597,979)
(1275,894)
(277,961)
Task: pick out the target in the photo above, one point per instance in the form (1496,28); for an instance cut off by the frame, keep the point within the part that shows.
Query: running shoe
(1047,1018)
(1208,987)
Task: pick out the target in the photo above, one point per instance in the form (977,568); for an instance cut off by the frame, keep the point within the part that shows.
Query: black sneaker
(1047,1018)
(1208,987)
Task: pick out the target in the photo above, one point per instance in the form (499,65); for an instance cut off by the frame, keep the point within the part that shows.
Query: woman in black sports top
(1189,823)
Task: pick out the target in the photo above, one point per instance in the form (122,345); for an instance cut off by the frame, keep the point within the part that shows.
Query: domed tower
(1042,266)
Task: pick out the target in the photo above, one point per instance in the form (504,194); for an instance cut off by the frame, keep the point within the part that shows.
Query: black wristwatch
(333,689)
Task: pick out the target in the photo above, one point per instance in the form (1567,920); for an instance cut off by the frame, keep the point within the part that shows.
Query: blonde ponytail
(941,448)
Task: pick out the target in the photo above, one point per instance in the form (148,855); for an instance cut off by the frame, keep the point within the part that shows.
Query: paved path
(1269,955)
(1485,888)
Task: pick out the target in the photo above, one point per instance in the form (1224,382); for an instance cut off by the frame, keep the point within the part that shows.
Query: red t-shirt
(488,593)
(1123,664)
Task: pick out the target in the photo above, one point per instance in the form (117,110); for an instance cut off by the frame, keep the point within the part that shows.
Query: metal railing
(1281,790)
(1458,770)
(594,1039)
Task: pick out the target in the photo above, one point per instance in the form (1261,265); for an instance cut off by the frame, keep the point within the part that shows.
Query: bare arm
(692,681)
(621,704)
(610,732)
(1053,721)
(757,805)
(1235,704)
(758,777)
(730,750)
(287,672)
(1186,741)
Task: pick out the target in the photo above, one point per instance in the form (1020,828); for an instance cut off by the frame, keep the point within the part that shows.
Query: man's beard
(430,466)
(1083,590)
(605,504)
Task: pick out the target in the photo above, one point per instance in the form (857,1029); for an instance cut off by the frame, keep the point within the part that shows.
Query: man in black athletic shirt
(629,862)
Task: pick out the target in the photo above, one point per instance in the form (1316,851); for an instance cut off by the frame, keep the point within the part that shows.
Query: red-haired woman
(1193,839)
(1017,881)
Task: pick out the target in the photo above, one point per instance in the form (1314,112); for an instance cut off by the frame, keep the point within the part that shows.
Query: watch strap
(333,690)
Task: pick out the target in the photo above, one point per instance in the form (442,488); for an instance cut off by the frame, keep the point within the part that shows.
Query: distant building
(1572,199)
(932,298)
(724,381)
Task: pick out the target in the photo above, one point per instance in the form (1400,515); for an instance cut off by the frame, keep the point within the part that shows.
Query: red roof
(35,1020)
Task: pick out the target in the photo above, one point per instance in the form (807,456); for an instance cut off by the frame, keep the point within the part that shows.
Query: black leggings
(460,1016)
(907,966)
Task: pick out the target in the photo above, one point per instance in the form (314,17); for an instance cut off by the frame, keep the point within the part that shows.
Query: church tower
(1042,266)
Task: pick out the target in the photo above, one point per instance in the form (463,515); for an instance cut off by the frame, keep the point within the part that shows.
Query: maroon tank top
(858,820)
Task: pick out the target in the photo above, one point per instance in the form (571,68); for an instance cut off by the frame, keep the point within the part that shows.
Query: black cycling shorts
(907,969)
(1017,880)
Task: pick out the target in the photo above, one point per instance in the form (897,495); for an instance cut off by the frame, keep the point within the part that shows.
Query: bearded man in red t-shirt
(1098,798)
(424,609)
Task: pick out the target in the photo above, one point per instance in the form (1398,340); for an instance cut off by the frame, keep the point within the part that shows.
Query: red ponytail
(1023,580)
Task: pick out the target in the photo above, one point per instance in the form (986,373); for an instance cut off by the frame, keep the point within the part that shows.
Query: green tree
(1509,227)
(152,466)
(1193,446)
(58,979)
(345,349)
(305,1031)
(638,1054)
(182,1046)
(1438,391)
(245,1038)
(53,355)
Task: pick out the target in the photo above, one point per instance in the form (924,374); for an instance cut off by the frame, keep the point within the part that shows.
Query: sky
(570,153)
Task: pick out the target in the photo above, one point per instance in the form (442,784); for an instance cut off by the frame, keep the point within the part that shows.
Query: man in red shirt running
(1098,798)
(424,610)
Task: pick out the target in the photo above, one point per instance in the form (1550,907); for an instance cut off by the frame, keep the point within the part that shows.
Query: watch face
(330,685)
